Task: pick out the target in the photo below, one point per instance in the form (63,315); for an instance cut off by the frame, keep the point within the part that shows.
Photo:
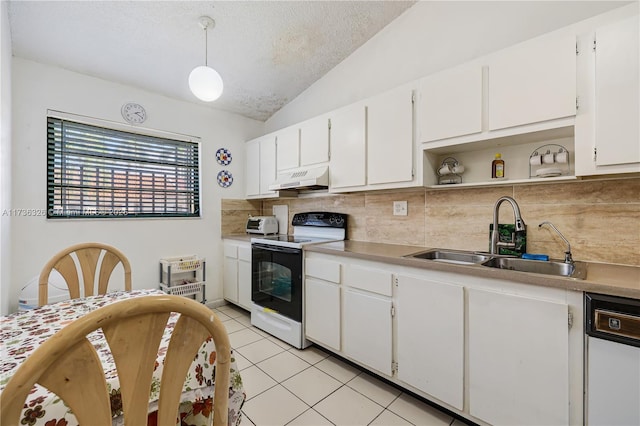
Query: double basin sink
(576,270)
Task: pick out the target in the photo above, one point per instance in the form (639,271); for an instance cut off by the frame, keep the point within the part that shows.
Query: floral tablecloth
(21,333)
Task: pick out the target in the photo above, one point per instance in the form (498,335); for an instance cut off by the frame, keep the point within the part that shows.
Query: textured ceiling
(267,52)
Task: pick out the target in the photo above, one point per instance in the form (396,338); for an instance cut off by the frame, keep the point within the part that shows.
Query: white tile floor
(287,386)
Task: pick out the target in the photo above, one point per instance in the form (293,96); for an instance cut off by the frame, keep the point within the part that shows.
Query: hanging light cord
(206,47)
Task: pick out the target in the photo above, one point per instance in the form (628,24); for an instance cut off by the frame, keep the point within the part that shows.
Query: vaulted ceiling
(267,52)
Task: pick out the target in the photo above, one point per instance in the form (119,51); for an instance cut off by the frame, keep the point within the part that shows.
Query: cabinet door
(268,173)
(367,329)
(230,279)
(252,167)
(450,103)
(518,359)
(390,137)
(322,312)
(244,276)
(430,338)
(314,141)
(617,104)
(348,147)
(533,82)
(288,148)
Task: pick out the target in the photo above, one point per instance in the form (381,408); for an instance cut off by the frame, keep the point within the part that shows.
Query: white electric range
(277,283)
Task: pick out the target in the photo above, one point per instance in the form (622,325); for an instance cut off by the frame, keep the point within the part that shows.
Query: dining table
(21,333)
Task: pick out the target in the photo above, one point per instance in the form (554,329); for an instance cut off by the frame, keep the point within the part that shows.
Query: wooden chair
(88,255)
(67,364)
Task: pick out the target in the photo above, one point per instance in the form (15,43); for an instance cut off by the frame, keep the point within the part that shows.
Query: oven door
(276,279)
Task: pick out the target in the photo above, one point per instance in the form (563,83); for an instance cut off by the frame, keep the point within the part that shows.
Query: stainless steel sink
(558,268)
(451,256)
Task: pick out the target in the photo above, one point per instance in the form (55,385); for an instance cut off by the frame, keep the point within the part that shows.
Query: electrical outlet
(400,208)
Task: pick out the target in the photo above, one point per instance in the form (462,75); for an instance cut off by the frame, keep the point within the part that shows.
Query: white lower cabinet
(230,277)
(322,301)
(244,276)
(367,329)
(236,277)
(322,315)
(492,350)
(518,359)
(430,337)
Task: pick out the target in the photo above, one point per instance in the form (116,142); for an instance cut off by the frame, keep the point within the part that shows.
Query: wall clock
(133,113)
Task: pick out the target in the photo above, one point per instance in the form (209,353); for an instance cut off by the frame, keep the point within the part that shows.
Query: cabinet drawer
(373,280)
(230,250)
(323,269)
(244,253)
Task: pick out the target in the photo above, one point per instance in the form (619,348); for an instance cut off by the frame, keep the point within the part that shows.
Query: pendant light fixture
(205,82)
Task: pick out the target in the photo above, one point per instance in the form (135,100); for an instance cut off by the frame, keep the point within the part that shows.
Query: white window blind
(96,172)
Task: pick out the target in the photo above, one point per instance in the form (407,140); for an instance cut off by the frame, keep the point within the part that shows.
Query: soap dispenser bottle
(497,167)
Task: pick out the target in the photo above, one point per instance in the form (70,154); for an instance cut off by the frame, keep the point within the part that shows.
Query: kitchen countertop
(239,237)
(603,278)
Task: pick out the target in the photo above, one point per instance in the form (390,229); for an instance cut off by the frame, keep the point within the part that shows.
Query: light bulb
(205,83)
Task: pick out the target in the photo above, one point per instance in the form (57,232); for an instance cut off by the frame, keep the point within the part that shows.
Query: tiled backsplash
(600,218)
(234,215)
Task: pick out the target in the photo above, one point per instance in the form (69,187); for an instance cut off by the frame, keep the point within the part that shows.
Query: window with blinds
(95,172)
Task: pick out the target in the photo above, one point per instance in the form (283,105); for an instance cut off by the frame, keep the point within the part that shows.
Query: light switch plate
(400,208)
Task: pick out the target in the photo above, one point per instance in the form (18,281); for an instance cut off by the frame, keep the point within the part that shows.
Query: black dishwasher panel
(613,318)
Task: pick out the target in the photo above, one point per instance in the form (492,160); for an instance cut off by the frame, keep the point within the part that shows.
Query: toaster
(262,225)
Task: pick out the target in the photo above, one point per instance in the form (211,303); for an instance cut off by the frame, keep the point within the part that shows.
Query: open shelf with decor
(517,151)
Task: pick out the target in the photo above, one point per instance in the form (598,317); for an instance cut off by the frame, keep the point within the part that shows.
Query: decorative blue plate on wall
(225,179)
(223,156)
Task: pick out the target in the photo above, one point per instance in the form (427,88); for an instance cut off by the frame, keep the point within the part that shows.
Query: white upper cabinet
(314,141)
(348,147)
(390,137)
(268,172)
(288,148)
(533,82)
(303,144)
(607,125)
(617,111)
(260,166)
(450,103)
(252,168)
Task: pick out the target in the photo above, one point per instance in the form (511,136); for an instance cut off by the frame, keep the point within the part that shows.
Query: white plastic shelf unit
(183,276)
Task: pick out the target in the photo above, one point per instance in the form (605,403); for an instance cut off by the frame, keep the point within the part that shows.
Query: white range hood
(316,178)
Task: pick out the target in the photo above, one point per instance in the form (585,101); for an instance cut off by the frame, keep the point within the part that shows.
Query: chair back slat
(78,375)
(181,352)
(67,268)
(109,263)
(88,259)
(134,344)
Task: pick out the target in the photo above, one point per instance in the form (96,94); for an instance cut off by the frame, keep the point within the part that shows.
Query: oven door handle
(275,248)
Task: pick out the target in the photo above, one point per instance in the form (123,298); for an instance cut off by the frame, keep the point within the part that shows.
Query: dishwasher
(612,360)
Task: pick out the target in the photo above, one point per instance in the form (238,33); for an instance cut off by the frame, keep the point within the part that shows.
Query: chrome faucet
(519,225)
(567,254)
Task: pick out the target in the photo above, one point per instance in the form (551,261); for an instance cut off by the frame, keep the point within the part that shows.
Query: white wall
(5,157)
(428,37)
(38,87)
